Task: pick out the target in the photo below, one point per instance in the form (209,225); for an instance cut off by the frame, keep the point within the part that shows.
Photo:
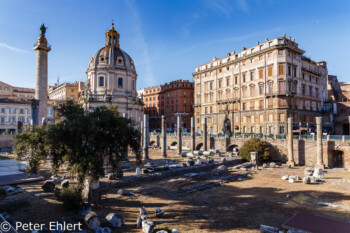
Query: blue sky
(167,39)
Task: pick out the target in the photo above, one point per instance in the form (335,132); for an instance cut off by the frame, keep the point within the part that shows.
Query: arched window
(101,81)
(120,82)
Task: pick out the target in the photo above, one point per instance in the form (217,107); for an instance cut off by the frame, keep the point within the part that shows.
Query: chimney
(284,34)
(293,39)
(233,52)
(244,48)
(257,43)
(228,54)
(267,39)
(289,37)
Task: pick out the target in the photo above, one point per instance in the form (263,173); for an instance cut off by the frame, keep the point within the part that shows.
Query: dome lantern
(112,37)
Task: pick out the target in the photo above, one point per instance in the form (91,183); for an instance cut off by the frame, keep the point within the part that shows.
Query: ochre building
(257,89)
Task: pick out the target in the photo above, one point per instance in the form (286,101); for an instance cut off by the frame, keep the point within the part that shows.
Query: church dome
(112,55)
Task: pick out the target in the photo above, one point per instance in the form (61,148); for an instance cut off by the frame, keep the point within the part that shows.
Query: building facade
(169,99)
(65,91)
(16,93)
(339,96)
(111,80)
(257,89)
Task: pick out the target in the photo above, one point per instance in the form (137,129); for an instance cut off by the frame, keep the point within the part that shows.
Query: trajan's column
(42,48)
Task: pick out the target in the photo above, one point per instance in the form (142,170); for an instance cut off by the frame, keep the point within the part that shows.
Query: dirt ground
(238,206)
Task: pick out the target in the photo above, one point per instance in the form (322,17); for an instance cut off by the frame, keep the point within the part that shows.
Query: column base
(320,166)
(291,163)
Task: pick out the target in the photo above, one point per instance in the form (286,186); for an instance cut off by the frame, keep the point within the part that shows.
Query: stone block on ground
(306,180)
(264,165)
(272,164)
(147,226)
(318,172)
(92,221)
(138,171)
(222,169)
(48,186)
(268,229)
(159,213)
(175,231)
(285,177)
(116,221)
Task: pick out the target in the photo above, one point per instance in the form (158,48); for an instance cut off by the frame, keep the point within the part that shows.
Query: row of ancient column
(145,136)
(319,150)
(145,139)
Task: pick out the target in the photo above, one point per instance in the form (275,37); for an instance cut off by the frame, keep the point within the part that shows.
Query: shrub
(255,145)
(71,197)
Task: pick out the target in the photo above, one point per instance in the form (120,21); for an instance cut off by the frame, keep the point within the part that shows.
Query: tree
(255,145)
(32,142)
(82,139)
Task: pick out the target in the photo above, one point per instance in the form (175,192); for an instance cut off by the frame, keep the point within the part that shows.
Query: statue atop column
(43,29)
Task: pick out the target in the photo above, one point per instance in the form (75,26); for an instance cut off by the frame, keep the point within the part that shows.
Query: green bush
(71,197)
(255,145)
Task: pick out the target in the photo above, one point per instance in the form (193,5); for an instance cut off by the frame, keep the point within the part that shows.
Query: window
(261,73)
(236,79)
(280,52)
(261,89)
(280,69)
(294,71)
(251,76)
(243,78)
(219,83)
(270,88)
(120,82)
(219,70)
(289,70)
(269,55)
(21,111)
(228,68)
(244,106)
(12,110)
(101,81)
(269,71)
(251,61)
(185,93)
(2,110)
(280,41)
(281,130)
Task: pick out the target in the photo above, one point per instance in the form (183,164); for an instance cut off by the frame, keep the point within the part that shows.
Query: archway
(199,146)
(152,143)
(231,147)
(227,126)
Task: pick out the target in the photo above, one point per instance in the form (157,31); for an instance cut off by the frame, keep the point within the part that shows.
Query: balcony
(280,93)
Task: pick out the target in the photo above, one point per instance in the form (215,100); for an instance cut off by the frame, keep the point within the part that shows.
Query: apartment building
(169,99)
(257,89)
(16,93)
(65,91)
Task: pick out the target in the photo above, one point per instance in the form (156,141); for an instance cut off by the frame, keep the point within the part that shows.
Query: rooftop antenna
(58,80)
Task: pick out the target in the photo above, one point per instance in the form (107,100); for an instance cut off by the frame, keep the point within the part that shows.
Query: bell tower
(112,37)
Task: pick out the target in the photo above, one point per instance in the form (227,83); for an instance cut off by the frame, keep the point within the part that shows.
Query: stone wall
(304,150)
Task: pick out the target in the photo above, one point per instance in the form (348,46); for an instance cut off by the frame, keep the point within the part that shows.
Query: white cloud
(6,46)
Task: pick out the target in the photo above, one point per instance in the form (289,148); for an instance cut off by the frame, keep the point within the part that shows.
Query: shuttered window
(260,73)
(280,69)
(269,71)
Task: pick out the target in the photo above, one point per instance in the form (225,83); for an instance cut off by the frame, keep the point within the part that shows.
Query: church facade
(111,80)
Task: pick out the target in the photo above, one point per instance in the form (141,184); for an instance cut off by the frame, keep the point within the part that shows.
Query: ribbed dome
(112,56)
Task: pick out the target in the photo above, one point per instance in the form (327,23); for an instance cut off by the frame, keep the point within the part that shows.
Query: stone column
(142,133)
(145,136)
(125,115)
(290,142)
(42,48)
(319,142)
(163,137)
(179,134)
(349,124)
(193,134)
(205,141)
